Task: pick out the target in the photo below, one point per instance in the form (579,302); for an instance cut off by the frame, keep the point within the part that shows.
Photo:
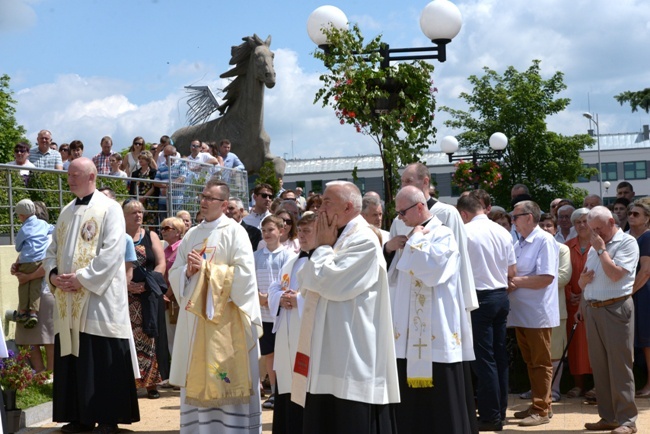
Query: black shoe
(153,394)
(490,426)
(104,428)
(75,427)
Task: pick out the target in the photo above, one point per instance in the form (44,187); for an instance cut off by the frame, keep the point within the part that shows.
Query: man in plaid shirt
(101,159)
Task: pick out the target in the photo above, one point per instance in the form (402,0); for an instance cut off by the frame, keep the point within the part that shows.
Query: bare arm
(643,274)
(158,252)
(532,282)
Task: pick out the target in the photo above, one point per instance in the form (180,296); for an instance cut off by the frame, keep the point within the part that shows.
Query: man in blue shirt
(230,160)
(176,170)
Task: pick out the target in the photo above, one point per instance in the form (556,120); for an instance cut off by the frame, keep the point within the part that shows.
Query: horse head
(263,60)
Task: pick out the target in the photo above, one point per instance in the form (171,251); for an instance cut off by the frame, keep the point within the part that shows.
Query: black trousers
(96,387)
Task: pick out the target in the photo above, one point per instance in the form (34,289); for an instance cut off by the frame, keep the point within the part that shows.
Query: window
(317,186)
(582,178)
(300,184)
(610,171)
(455,191)
(635,170)
(361,183)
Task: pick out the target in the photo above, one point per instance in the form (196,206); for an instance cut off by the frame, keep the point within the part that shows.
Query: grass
(34,395)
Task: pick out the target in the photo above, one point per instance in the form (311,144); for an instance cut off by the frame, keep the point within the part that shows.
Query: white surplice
(287,323)
(222,241)
(352,347)
(430,264)
(448,216)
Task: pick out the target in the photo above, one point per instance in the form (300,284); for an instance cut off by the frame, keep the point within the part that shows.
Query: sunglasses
(516,216)
(634,213)
(196,146)
(139,144)
(21,151)
(288,222)
(168,228)
(266,195)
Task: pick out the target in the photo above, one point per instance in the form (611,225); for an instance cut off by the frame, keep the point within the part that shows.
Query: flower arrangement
(16,372)
(487,175)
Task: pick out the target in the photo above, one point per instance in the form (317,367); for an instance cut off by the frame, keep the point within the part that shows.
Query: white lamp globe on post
(325,17)
(440,20)
(498,142)
(449,145)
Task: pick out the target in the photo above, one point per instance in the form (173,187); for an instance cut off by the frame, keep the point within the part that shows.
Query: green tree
(639,99)
(10,132)
(394,105)
(267,176)
(517,104)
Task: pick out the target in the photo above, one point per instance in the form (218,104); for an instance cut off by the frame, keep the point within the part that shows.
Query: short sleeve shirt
(537,254)
(48,160)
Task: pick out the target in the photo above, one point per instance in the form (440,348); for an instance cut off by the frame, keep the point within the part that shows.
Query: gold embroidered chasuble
(219,368)
(72,307)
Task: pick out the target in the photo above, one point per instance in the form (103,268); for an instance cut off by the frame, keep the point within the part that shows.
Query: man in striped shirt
(608,311)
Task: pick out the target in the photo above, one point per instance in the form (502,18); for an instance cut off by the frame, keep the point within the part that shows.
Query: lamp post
(440,21)
(498,143)
(600,171)
(607,184)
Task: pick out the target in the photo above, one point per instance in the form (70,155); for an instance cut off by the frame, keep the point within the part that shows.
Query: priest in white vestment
(431,325)
(94,355)
(218,250)
(345,370)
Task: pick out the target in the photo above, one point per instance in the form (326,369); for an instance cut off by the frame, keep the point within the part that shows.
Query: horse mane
(240,56)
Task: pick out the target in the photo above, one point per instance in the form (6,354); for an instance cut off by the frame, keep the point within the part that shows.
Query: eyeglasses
(196,146)
(634,213)
(516,216)
(168,228)
(138,144)
(403,212)
(21,151)
(210,198)
(266,195)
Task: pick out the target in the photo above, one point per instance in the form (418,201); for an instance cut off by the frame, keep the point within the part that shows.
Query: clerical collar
(308,254)
(340,231)
(84,200)
(426,222)
(431,202)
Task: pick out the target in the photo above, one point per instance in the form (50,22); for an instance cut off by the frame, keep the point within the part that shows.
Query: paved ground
(161,416)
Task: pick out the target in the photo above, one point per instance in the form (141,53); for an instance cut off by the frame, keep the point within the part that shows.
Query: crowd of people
(359,329)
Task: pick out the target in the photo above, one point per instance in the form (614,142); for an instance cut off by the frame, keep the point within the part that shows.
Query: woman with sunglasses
(21,158)
(639,220)
(289,233)
(132,162)
(64,150)
(172,230)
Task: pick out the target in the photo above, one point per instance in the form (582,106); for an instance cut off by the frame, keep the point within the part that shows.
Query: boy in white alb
(287,303)
(268,263)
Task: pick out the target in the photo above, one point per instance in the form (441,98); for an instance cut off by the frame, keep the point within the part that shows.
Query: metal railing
(51,187)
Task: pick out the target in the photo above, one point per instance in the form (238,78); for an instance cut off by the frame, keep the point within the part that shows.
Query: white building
(624,157)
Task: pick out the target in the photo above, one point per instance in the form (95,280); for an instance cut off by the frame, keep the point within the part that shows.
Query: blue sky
(89,68)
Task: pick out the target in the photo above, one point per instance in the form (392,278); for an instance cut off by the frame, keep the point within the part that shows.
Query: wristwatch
(600,251)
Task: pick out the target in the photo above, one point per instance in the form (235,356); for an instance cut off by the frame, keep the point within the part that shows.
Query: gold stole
(219,368)
(73,306)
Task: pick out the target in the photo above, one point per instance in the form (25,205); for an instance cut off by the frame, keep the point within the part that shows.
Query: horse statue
(242,110)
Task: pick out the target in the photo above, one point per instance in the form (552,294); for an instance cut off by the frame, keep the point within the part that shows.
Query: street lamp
(600,171)
(498,143)
(607,184)
(440,21)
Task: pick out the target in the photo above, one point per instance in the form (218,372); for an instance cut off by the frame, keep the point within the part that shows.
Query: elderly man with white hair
(345,373)
(608,312)
(565,227)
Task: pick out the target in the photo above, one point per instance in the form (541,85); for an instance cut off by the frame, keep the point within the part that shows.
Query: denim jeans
(491,364)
